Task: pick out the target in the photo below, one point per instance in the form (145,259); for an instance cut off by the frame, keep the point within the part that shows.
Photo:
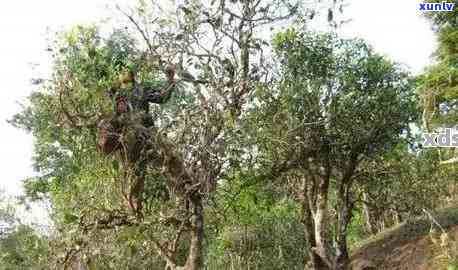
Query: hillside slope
(408,246)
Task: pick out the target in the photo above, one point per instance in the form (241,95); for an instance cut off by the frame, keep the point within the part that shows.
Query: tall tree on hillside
(172,159)
(336,106)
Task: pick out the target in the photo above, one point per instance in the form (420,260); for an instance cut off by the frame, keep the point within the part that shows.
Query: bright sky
(393,27)
(397,32)
(23,39)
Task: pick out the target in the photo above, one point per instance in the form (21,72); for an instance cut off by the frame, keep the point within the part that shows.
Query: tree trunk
(195,261)
(322,255)
(370,222)
(315,261)
(344,213)
(315,227)
(342,260)
(322,238)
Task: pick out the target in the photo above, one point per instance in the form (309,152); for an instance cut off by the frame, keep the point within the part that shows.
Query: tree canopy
(226,135)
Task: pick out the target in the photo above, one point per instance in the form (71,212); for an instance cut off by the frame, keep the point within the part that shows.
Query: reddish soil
(409,246)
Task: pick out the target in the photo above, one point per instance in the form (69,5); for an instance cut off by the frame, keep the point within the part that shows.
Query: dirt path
(408,246)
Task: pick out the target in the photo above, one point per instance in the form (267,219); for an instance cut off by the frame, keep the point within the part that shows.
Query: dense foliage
(278,149)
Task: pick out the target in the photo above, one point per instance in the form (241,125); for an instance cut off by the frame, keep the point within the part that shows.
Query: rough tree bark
(195,260)
(316,261)
(325,250)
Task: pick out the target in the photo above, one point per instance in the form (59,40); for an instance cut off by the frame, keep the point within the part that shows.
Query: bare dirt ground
(409,246)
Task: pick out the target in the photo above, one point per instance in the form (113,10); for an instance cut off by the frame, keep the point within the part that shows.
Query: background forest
(228,135)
